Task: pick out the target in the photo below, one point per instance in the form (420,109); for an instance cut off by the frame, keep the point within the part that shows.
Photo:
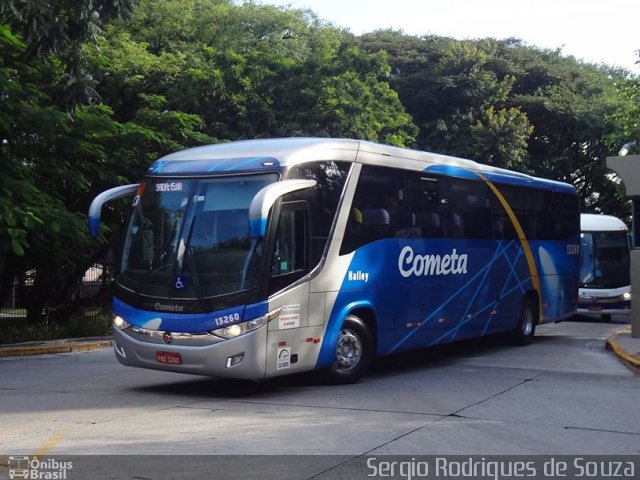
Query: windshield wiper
(190,257)
(253,256)
(164,250)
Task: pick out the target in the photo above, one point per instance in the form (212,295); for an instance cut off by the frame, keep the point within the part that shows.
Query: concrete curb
(58,346)
(613,344)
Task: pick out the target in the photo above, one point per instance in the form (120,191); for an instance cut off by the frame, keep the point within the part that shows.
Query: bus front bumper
(242,357)
(603,301)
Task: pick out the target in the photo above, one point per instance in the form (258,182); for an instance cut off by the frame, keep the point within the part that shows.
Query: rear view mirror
(107,196)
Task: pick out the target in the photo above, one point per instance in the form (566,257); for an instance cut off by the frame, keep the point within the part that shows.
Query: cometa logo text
(421,265)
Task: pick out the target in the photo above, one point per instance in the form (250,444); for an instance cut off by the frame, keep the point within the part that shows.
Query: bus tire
(526,329)
(354,353)
(606,317)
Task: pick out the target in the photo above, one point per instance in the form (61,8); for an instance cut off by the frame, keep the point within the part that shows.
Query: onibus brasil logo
(38,469)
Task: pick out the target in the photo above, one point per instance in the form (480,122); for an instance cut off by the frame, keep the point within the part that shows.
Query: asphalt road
(564,394)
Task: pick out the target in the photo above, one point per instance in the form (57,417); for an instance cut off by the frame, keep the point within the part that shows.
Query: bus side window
(323,200)
(378,209)
(470,201)
(425,201)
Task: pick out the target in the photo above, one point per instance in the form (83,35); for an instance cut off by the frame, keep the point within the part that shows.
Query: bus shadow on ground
(403,362)
(596,318)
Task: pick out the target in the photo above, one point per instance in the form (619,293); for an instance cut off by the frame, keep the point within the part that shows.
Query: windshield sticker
(180,282)
(169,187)
(147,245)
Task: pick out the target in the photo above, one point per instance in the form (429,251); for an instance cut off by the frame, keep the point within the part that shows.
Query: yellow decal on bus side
(533,270)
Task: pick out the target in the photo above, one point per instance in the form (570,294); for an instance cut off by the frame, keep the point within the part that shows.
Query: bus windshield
(189,238)
(605,260)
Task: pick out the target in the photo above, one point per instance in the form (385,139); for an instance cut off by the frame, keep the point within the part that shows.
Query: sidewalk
(56,346)
(626,347)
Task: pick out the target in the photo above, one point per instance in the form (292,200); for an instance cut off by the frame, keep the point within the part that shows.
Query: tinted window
(472,203)
(378,209)
(323,199)
(426,192)
(449,207)
(543,214)
(565,216)
(190,238)
(604,260)
(290,259)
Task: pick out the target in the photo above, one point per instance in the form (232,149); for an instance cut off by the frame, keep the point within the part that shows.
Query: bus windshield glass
(605,260)
(189,238)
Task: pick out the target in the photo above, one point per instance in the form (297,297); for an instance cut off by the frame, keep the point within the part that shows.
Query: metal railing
(88,315)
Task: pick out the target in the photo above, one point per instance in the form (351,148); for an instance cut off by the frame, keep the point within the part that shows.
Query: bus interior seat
(375,216)
(452,224)
(375,223)
(428,222)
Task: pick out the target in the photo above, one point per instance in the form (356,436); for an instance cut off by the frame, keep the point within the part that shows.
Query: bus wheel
(354,352)
(526,329)
(606,317)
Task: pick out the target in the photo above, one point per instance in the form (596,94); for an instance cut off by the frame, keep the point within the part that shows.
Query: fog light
(235,360)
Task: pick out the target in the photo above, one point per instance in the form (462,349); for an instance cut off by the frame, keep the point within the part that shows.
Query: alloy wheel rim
(348,350)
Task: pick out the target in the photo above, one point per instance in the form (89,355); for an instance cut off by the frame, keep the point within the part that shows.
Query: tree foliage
(511,105)
(249,71)
(56,156)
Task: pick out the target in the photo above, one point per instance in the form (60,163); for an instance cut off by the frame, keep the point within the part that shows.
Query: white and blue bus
(605,279)
(260,258)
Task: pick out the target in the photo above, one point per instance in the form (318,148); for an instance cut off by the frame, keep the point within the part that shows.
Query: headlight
(120,323)
(626,296)
(237,329)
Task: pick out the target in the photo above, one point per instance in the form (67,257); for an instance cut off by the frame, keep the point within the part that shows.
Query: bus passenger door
(287,348)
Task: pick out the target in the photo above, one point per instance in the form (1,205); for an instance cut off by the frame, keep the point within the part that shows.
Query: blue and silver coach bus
(260,258)
(605,262)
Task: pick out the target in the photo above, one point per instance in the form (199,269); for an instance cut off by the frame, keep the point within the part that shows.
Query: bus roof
(590,222)
(245,155)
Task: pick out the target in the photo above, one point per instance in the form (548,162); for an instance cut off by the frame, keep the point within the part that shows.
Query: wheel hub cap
(348,350)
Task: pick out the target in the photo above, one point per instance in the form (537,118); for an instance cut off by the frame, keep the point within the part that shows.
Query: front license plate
(595,308)
(171,358)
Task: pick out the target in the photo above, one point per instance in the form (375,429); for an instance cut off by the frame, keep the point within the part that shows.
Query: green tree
(249,71)
(456,97)
(55,157)
(54,32)
(511,105)
(569,103)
